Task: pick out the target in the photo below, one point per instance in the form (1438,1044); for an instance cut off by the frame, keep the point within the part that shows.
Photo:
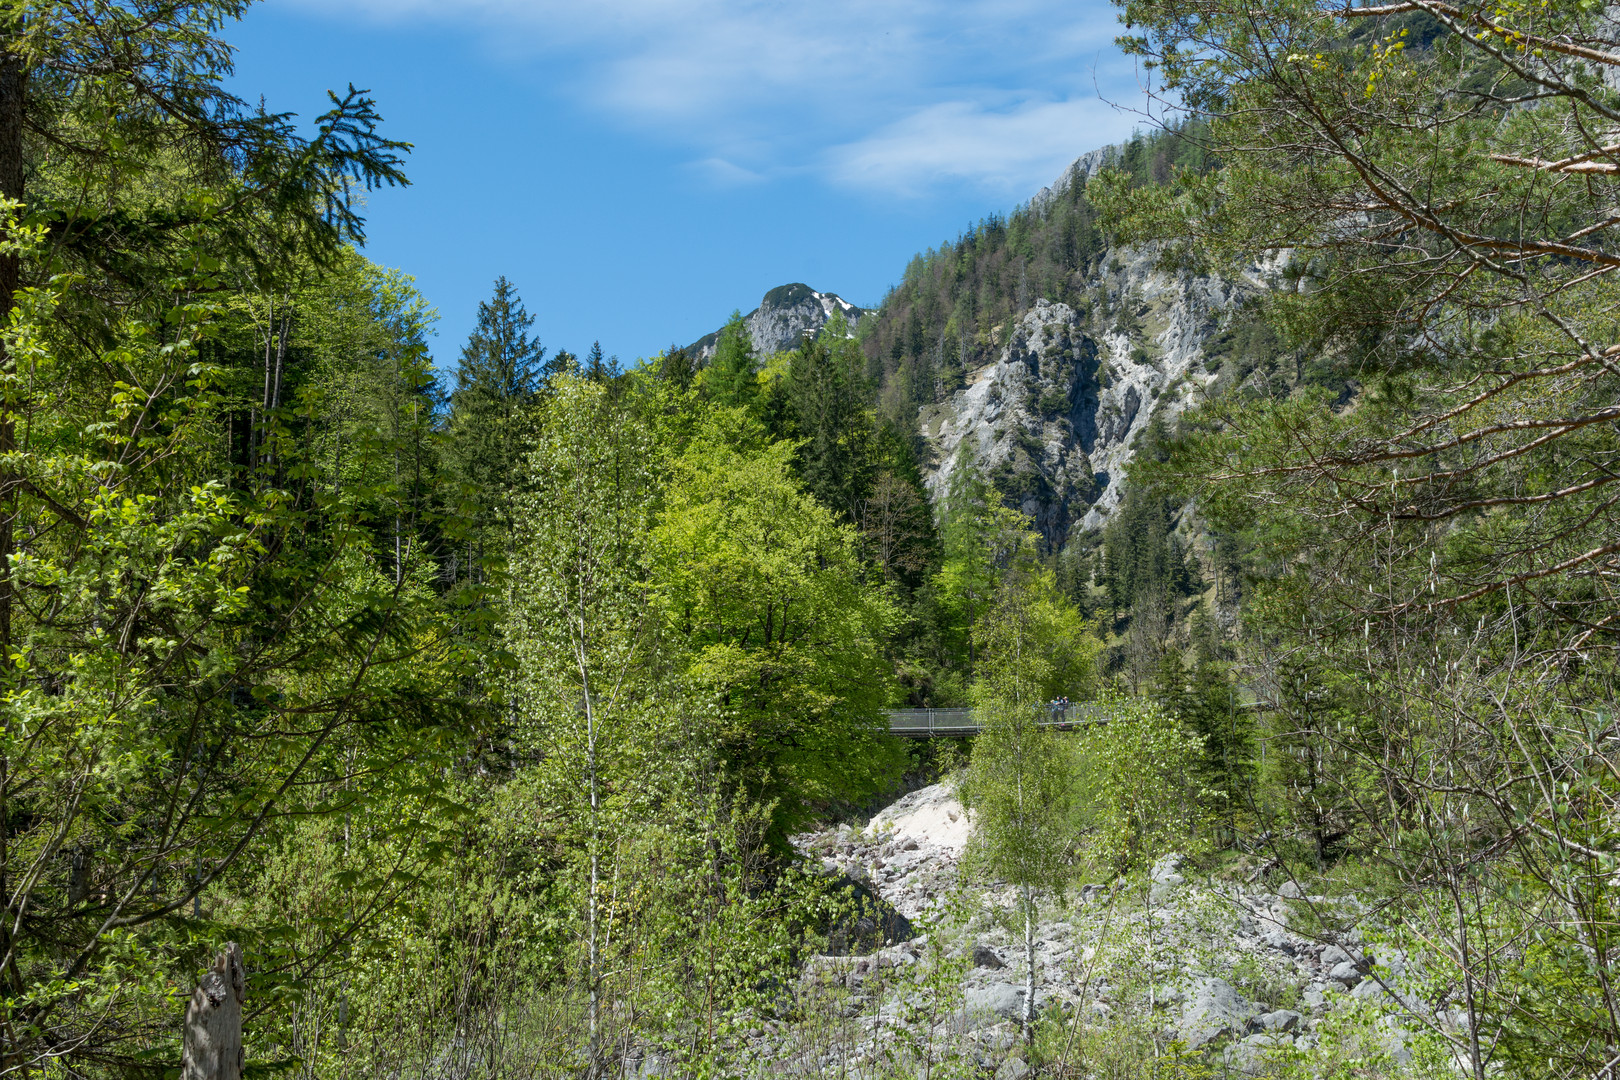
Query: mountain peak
(785,317)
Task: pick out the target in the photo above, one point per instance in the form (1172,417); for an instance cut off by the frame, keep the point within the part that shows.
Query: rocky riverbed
(1180,961)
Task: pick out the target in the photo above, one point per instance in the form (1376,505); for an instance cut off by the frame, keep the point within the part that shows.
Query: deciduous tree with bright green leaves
(765,588)
(1034,646)
(586,684)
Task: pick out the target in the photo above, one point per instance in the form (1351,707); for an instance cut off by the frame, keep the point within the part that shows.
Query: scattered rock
(1291,891)
(1281,1020)
(1213,1009)
(985,957)
(912,849)
(999,1000)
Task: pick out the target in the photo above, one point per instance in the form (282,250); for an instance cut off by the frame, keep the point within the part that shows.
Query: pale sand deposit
(930,815)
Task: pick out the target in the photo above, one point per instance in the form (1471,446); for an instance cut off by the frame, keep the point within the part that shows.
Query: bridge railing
(927,723)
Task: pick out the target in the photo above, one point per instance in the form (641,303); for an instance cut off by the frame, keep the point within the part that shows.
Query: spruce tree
(730,378)
(562,364)
(496,381)
(600,369)
(827,393)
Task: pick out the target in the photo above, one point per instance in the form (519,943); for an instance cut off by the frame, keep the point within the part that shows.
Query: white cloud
(1016,150)
(889,95)
(723,173)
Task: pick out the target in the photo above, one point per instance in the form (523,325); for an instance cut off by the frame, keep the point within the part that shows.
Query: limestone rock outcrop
(1054,422)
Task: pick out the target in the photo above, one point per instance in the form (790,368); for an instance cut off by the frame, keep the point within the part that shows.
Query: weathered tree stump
(213,1039)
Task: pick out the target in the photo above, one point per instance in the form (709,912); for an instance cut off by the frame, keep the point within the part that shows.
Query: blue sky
(639,168)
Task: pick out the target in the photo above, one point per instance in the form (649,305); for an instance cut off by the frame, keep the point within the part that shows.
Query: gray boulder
(1013,1069)
(1332,956)
(1345,975)
(1396,1040)
(1249,1055)
(1281,1020)
(1367,990)
(1167,869)
(1166,878)
(651,1065)
(1000,1000)
(985,957)
(1212,1009)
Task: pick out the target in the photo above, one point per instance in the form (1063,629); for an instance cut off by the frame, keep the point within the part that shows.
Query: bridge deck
(960,723)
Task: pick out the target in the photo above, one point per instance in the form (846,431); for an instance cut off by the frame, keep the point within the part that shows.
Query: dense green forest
(479,704)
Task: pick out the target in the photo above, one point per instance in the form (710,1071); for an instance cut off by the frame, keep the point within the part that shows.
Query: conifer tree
(730,378)
(676,366)
(600,369)
(563,364)
(161,607)
(828,396)
(497,379)
(979,537)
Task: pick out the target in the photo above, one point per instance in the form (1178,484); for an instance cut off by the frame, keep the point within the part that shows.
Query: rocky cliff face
(1056,420)
(1079,171)
(786,315)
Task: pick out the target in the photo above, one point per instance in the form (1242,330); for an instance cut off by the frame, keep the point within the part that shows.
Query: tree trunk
(213,1036)
(1029,965)
(593,957)
(13,80)
(13,83)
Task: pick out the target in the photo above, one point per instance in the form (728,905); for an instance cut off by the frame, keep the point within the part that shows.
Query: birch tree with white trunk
(580,631)
(1019,783)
